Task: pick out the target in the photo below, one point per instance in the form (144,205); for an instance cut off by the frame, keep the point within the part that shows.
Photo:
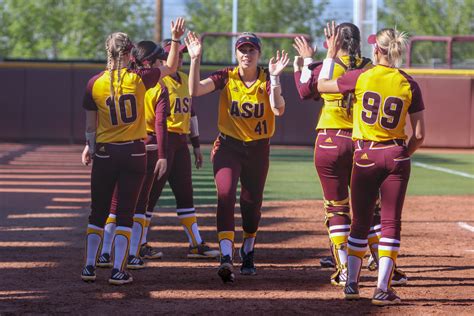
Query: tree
(432,17)
(282,16)
(64,29)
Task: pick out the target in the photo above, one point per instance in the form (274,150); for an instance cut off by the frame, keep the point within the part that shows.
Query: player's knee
(125,220)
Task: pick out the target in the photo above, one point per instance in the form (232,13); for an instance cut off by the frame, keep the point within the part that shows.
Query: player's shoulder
(408,78)
(93,79)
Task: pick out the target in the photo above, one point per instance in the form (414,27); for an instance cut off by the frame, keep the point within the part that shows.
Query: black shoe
(120,277)
(88,274)
(226,269)
(104,261)
(351,291)
(135,263)
(327,262)
(247,268)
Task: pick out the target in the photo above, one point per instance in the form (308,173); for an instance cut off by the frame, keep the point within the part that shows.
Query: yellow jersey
(334,114)
(156,102)
(383,97)
(244,111)
(180,103)
(120,118)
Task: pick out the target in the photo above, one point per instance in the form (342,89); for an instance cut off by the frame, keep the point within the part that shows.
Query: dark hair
(145,52)
(349,35)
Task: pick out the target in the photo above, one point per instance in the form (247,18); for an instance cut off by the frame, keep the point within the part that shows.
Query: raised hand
(178,28)
(303,48)
(278,63)
(332,39)
(193,43)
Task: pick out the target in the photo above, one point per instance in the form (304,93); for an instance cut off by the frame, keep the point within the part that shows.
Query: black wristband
(176,41)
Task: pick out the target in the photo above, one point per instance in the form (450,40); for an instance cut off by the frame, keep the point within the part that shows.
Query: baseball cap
(250,39)
(167,46)
(372,39)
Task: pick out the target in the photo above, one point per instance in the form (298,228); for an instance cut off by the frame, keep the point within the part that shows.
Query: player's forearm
(172,61)
(194,76)
(277,102)
(413,144)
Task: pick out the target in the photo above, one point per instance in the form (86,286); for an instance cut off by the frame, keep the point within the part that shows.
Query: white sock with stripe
(109,231)
(385,272)
(147,227)
(94,239)
(122,243)
(137,233)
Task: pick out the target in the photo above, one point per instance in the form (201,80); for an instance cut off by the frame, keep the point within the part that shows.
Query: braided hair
(349,37)
(116,45)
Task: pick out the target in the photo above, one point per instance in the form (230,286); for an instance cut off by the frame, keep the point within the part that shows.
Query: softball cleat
(248,267)
(135,263)
(351,291)
(202,251)
(399,277)
(88,274)
(148,252)
(382,298)
(120,277)
(226,270)
(104,261)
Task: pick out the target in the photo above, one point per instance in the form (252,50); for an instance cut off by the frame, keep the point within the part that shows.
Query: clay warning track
(44,198)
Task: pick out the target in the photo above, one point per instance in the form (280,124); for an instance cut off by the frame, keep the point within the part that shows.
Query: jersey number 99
(128,109)
(391,111)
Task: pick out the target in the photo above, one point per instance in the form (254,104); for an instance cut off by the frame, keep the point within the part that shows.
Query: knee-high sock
(147,227)
(109,231)
(187,217)
(226,243)
(122,245)
(338,222)
(388,252)
(137,233)
(356,249)
(93,242)
(249,241)
(374,237)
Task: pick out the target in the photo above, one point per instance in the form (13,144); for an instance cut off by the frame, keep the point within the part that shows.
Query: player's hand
(86,156)
(178,28)
(197,157)
(193,43)
(298,63)
(303,48)
(278,63)
(332,39)
(160,167)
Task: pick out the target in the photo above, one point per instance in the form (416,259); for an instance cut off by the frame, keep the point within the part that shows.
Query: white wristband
(90,140)
(307,61)
(327,69)
(275,80)
(194,127)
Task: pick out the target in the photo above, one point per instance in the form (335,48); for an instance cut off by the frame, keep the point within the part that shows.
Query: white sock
(137,233)
(226,247)
(196,233)
(385,271)
(109,232)
(354,264)
(342,253)
(249,244)
(147,227)
(93,245)
(121,246)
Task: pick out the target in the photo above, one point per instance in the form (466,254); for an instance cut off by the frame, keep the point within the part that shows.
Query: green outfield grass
(292,176)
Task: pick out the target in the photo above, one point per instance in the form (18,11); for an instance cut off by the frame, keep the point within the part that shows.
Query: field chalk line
(466,226)
(450,171)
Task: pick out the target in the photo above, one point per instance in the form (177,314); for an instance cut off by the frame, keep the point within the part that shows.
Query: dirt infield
(44,197)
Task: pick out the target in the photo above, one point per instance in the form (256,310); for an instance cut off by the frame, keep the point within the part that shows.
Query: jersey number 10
(128,109)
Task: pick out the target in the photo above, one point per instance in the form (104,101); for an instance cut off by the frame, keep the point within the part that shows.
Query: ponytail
(392,43)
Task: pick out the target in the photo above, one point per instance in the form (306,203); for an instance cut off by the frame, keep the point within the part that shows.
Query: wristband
(307,61)
(327,69)
(176,41)
(194,127)
(274,80)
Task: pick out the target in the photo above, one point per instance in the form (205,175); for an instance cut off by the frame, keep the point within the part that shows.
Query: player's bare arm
(275,68)
(91,126)
(417,122)
(197,87)
(177,30)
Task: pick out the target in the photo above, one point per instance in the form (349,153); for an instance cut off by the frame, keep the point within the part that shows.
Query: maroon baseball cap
(372,39)
(167,46)
(249,39)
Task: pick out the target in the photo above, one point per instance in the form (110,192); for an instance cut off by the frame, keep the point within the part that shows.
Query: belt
(232,140)
(347,133)
(384,144)
(126,142)
(334,102)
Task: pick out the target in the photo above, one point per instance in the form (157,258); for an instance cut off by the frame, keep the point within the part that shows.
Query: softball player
(115,129)
(145,55)
(384,96)
(249,100)
(334,148)
(181,123)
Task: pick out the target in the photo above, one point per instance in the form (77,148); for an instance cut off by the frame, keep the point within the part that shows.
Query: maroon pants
(122,165)
(333,152)
(379,166)
(178,174)
(233,160)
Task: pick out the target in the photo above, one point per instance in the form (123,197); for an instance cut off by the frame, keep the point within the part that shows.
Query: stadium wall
(42,102)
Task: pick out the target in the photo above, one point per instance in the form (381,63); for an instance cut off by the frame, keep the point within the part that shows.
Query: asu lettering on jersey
(244,112)
(121,118)
(380,109)
(180,103)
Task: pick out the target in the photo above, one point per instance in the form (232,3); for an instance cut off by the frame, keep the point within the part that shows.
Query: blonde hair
(392,43)
(116,45)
